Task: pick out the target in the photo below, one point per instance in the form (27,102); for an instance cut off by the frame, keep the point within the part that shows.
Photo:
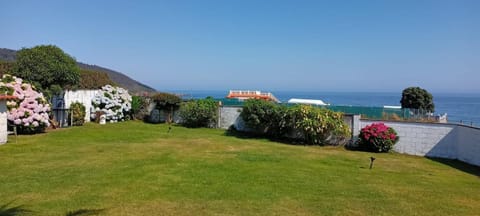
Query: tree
(93,79)
(48,67)
(5,67)
(417,98)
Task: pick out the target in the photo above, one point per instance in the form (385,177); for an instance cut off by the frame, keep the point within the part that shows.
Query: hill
(119,78)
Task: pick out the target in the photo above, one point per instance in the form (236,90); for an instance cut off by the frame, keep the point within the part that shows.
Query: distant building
(247,94)
(307,101)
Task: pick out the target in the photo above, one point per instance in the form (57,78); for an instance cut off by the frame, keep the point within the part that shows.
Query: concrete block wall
(468,145)
(422,139)
(450,141)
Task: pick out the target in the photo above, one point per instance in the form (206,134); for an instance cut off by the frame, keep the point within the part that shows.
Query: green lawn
(140,169)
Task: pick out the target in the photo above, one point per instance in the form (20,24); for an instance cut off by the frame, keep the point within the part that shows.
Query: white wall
(3,122)
(83,96)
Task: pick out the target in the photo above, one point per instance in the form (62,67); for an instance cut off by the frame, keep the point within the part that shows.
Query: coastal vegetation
(132,168)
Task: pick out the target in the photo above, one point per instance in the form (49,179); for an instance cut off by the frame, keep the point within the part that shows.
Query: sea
(461,108)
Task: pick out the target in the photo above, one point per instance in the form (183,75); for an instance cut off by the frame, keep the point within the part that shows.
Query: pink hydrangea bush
(377,137)
(29,111)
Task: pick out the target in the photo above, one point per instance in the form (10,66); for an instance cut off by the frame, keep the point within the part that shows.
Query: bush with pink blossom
(29,111)
(377,137)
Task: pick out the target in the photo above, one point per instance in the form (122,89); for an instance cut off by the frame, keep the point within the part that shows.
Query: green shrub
(5,67)
(313,125)
(266,118)
(166,100)
(77,114)
(140,107)
(199,113)
(377,137)
(319,125)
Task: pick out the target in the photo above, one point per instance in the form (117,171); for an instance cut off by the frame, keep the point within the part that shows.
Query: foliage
(29,112)
(313,124)
(140,107)
(46,65)
(93,79)
(114,101)
(5,67)
(77,114)
(166,100)
(417,98)
(319,125)
(377,137)
(199,113)
(266,117)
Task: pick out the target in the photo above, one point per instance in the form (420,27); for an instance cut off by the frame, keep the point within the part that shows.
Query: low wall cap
(7,97)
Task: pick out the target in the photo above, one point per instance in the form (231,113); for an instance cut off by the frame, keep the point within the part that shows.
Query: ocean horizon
(460,107)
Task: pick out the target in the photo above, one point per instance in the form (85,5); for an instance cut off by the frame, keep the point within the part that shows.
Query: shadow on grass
(8,210)
(84,212)
(462,166)
(247,135)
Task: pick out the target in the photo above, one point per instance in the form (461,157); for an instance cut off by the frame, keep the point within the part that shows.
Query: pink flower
(17,121)
(30,109)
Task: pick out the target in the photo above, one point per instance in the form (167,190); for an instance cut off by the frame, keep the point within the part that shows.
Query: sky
(267,45)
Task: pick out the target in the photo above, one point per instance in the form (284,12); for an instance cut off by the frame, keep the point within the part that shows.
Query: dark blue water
(463,108)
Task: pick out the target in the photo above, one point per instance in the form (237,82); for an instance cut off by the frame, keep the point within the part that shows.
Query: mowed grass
(134,168)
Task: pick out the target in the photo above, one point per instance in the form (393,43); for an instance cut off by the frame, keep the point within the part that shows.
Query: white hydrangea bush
(115,102)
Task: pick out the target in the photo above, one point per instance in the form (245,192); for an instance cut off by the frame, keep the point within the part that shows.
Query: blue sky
(268,45)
